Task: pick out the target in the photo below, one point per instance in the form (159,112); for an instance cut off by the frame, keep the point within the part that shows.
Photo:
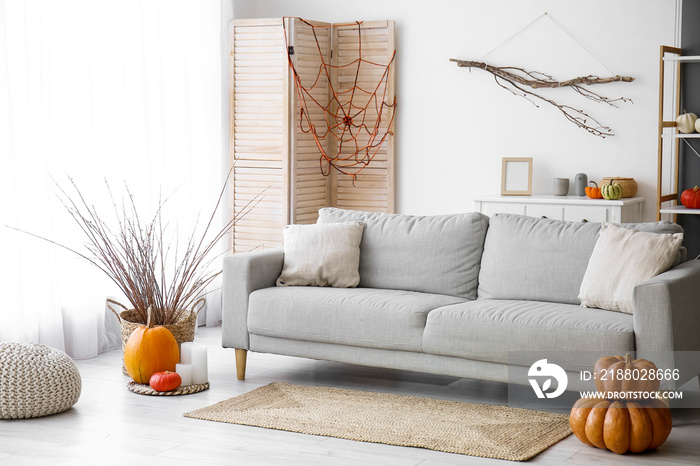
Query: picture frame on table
(516,176)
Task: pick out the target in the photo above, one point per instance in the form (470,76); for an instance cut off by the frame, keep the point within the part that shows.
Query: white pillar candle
(200,371)
(185,372)
(186,352)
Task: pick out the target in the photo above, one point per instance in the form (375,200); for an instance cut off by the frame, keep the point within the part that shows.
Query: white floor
(113,426)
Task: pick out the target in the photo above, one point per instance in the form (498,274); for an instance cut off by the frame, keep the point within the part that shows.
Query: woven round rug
(145,389)
(489,431)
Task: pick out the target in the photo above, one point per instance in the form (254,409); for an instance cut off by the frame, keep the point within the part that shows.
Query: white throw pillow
(622,258)
(322,254)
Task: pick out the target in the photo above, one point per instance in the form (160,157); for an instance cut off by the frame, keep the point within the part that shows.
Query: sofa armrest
(667,319)
(244,273)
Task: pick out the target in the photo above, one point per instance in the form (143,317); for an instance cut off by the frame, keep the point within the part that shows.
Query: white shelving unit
(675,55)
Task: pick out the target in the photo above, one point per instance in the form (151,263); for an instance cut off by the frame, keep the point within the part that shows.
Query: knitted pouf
(36,381)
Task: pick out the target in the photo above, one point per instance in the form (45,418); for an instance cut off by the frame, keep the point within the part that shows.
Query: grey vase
(580,183)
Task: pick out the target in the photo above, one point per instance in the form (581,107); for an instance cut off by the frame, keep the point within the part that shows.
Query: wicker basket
(628,185)
(182,330)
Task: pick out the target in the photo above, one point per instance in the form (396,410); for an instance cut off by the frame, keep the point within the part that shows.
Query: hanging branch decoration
(516,80)
(355,117)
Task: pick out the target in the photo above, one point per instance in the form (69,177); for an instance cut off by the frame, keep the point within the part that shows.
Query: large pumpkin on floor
(624,374)
(621,426)
(148,350)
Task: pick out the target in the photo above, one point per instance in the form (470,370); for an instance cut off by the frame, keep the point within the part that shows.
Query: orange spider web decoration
(347,117)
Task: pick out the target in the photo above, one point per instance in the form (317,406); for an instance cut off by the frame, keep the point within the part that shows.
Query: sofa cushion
(542,259)
(486,330)
(621,260)
(436,254)
(387,319)
(321,255)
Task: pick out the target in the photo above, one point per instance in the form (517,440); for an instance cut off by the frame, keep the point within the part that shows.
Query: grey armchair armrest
(244,273)
(667,319)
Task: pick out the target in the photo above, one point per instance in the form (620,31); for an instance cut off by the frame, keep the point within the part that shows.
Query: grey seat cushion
(486,330)
(434,254)
(387,319)
(541,259)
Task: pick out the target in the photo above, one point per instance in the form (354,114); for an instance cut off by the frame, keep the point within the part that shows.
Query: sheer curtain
(95,90)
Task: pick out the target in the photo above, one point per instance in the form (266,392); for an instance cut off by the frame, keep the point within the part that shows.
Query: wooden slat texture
(310,188)
(273,153)
(373,189)
(259,133)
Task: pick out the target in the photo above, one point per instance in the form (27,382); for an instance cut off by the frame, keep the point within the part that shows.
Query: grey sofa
(466,296)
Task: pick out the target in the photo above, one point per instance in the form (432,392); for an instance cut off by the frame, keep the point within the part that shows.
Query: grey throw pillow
(322,255)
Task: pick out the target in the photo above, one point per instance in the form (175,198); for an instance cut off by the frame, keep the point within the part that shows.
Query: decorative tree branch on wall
(516,80)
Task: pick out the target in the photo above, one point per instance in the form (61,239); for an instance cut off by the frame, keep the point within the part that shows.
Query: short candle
(185,372)
(186,352)
(200,371)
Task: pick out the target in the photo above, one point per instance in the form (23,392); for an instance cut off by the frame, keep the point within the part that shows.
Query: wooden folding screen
(270,151)
(373,190)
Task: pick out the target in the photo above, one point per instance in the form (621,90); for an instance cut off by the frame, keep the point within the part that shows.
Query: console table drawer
(587,214)
(554,212)
(491,209)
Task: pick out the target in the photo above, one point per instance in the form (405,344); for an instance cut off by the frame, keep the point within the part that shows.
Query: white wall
(453,126)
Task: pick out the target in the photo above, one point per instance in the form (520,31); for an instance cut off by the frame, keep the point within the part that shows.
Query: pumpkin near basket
(628,186)
(182,329)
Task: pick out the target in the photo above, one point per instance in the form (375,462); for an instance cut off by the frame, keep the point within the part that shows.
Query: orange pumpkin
(593,193)
(620,426)
(623,374)
(148,350)
(165,381)
(691,198)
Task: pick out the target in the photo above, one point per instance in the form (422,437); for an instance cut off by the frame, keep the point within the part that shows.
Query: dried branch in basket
(515,80)
(136,256)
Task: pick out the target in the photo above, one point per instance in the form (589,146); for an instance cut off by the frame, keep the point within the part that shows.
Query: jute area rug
(451,426)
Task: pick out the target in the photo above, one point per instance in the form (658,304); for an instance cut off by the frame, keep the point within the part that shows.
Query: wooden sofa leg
(241,357)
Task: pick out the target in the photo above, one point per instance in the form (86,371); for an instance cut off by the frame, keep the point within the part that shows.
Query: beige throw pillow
(621,259)
(322,254)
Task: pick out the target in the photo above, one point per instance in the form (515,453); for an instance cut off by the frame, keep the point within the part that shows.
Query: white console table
(571,208)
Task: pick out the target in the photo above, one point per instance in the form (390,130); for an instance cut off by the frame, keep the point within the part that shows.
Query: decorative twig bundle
(135,255)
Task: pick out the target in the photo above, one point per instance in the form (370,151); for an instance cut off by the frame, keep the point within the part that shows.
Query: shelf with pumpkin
(687,126)
(690,200)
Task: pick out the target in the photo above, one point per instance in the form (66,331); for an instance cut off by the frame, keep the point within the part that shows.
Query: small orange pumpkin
(593,193)
(150,349)
(165,381)
(690,198)
(620,426)
(623,374)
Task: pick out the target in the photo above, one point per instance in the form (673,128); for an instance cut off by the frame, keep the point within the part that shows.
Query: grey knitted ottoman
(36,381)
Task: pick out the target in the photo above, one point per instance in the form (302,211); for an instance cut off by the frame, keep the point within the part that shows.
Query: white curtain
(126,91)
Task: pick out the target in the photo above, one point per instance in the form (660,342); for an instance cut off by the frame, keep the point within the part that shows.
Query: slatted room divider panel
(258,131)
(268,149)
(310,190)
(373,189)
